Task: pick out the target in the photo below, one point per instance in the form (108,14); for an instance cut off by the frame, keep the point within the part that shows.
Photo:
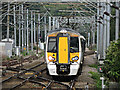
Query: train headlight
(63,31)
(75,58)
(51,58)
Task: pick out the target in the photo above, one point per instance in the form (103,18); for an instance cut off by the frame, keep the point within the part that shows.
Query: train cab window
(83,44)
(52,44)
(74,44)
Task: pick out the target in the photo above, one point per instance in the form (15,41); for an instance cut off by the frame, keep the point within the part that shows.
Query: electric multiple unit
(64,52)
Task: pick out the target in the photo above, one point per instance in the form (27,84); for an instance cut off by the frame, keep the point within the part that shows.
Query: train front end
(63,53)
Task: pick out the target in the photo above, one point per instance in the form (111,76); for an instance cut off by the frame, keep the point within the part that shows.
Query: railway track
(33,77)
(21,60)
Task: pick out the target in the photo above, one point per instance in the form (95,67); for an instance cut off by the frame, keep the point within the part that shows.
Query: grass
(42,54)
(94,66)
(24,53)
(96,77)
(93,47)
(5,58)
(10,58)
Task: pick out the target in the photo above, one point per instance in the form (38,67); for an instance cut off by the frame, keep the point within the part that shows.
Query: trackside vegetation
(112,62)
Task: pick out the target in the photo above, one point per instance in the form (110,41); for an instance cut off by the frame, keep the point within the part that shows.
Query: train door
(63,53)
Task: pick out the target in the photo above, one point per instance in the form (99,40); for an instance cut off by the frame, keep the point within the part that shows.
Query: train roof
(63,29)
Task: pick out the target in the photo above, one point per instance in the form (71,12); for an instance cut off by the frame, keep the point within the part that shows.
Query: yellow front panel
(63,49)
(72,55)
(52,55)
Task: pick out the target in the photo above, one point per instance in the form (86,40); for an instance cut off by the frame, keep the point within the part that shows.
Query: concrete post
(31,30)
(102,78)
(108,23)
(93,37)
(117,21)
(0,22)
(19,27)
(39,27)
(22,27)
(34,30)
(14,26)
(53,23)
(56,24)
(88,39)
(49,23)
(105,34)
(45,30)
(101,32)
(8,21)
(25,29)
(93,31)
(27,34)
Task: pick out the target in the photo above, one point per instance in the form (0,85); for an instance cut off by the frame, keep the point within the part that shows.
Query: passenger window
(83,44)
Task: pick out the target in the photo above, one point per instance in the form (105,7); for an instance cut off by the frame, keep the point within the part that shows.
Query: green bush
(112,62)
(96,77)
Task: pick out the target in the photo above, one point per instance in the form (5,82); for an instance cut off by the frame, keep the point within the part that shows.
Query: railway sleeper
(33,81)
(25,70)
(53,81)
(22,83)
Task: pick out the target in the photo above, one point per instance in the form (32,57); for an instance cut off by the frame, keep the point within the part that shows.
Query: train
(64,52)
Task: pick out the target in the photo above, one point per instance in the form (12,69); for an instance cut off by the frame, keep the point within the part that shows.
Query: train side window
(51,44)
(83,44)
(74,44)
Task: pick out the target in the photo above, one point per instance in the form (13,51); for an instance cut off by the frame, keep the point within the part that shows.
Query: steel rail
(49,85)
(28,79)
(6,79)
(22,72)
(72,83)
(53,81)
(33,81)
